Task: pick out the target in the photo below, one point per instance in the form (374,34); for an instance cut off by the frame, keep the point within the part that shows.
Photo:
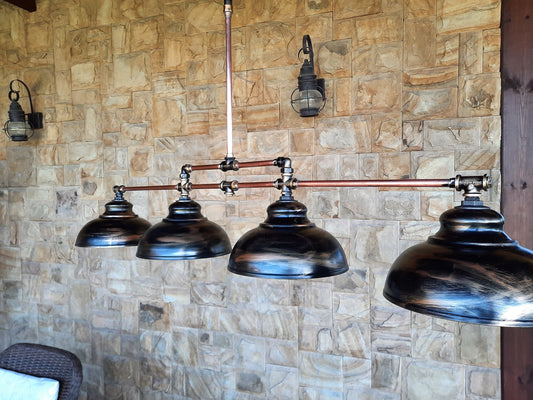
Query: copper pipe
(247,164)
(378,183)
(205,185)
(243,185)
(252,164)
(141,188)
(204,167)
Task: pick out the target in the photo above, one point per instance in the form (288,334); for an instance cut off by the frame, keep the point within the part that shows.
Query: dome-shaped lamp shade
(469,271)
(287,246)
(184,235)
(117,226)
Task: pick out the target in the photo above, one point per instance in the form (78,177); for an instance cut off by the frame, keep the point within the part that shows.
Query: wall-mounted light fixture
(20,126)
(469,271)
(309,98)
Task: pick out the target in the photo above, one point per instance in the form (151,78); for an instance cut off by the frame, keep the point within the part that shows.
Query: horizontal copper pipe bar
(205,185)
(155,187)
(243,185)
(329,183)
(378,183)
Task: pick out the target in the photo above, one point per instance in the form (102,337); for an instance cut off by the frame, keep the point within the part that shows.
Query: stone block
(301,141)
(262,117)
(374,241)
(394,165)
(320,370)
(169,116)
(131,72)
(461,133)
(313,7)
(419,53)
(477,160)
(203,17)
(346,135)
(420,8)
(429,380)
(317,26)
(348,9)
(479,95)
(491,62)
(428,165)
(141,160)
(412,136)
(478,345)
(147,33)
(282,382)
(335,59)
(429,103)
(380,29)
(386,372)
(435,203)
(386,133)
(21,166)
(377,93)
(431,77)
(447,50)
(483,382)
(352,339)
(455,15)
(270,44)
(83,75)
(432,345)
(471,53)
(39,37)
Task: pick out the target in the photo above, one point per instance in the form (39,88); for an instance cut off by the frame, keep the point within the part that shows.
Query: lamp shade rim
(511,323)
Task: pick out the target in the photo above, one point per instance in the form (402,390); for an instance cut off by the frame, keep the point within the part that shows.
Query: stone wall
(131,90)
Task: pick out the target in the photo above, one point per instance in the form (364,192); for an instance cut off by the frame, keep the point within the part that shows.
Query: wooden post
(517,176)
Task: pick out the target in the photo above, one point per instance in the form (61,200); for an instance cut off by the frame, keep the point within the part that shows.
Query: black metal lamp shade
(469,271)
(287,246)
(117,226)
(185,234)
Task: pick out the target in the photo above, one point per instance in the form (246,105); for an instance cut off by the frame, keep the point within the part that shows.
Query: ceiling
(28,5)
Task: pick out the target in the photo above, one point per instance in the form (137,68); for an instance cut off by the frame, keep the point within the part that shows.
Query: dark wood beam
(517,176)
(28,5)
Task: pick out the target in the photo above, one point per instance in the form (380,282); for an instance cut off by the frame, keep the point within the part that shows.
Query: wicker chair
(46,362)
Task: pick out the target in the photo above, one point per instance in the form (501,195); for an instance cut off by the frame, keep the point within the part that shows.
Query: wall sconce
(20,126)
(309,98)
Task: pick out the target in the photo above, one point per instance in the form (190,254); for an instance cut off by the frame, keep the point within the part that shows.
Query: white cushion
(16,386)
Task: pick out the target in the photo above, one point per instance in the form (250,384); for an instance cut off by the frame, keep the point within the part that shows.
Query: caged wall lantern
(20,126)
(309,98)
(469,271)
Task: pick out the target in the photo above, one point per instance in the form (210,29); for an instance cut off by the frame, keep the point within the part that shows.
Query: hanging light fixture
(20,126)
(117,226)
(185,234)
(469,271)
(309,98)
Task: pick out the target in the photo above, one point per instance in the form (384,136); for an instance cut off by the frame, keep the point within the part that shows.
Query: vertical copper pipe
(228,10)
